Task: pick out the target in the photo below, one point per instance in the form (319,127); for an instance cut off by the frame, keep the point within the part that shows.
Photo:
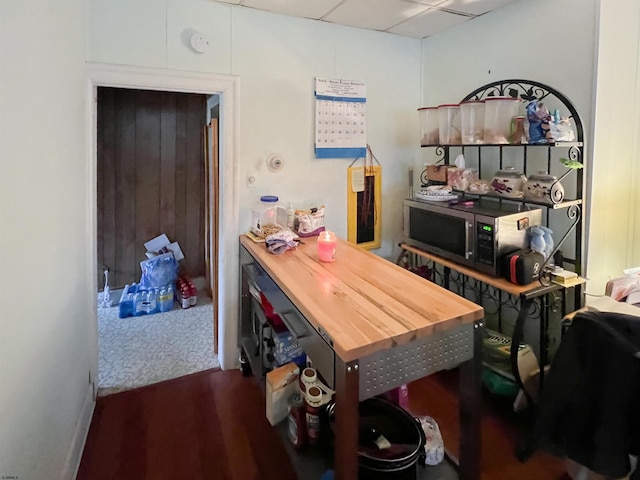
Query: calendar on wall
(341,120)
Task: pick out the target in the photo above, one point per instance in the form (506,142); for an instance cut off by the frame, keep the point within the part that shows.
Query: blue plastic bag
(159,271)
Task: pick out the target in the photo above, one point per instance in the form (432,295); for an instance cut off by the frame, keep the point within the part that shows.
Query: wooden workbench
(385,327)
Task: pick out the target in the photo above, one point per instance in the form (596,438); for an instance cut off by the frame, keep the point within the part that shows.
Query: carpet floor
(139,351)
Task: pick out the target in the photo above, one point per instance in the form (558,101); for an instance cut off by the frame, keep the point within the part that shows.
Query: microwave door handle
(467,240)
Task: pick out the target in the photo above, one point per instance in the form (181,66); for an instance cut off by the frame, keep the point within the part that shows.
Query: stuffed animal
(539,117)
(537,243)
(548,241)
(541,240)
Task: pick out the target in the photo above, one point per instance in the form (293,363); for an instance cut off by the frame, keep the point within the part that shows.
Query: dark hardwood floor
(208,425)
(501,430)
(211,425)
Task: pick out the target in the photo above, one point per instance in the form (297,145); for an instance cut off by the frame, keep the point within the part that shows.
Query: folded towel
(280,242)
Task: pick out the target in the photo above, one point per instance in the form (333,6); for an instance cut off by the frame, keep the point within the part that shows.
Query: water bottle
(139,304)
(166,298)
(151,301)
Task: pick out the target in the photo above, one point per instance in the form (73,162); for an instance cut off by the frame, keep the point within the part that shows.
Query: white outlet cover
(275,162)
(252,177)
(199,42)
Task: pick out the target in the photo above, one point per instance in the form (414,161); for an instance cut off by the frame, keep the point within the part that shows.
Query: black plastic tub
(379,417)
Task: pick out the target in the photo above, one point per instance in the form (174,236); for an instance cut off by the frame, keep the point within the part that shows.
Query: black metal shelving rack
(541,301)
(528,90)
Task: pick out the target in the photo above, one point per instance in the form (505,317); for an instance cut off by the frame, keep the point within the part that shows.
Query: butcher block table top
(363,302)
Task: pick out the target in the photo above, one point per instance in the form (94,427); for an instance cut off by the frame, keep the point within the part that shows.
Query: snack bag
(310,222)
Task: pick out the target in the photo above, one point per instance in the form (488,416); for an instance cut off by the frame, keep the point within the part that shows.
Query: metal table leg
(471,409)
(346,445)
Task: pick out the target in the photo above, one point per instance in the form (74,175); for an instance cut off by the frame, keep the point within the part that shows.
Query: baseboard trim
(72,462)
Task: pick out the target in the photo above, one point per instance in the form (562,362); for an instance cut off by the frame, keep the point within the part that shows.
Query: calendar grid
(341,122)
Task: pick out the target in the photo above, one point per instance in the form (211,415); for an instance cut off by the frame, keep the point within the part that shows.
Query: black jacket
(590,407)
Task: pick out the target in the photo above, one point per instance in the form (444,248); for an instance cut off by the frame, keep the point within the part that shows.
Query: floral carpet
(139,351)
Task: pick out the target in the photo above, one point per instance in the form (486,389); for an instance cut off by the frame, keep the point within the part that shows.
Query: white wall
(276,59)
(614,233)
(517,41)
(47,294)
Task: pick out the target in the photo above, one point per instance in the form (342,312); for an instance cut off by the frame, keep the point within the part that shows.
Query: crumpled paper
(280,242)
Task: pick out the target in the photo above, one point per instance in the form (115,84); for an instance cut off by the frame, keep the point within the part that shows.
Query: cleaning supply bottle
(291,217)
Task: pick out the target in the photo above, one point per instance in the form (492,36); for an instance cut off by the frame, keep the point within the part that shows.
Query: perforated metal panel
(387,369)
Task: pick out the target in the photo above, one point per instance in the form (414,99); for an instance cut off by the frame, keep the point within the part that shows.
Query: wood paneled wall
(150,178)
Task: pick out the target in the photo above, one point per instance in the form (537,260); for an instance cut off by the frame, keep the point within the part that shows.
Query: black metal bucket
(379,417)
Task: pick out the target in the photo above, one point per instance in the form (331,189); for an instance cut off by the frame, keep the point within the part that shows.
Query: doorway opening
(154,176)
(226,88)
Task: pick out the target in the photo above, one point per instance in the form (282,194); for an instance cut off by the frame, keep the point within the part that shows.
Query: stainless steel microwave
(476,235)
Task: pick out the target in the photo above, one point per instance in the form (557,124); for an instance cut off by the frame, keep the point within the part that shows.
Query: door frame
(227,87)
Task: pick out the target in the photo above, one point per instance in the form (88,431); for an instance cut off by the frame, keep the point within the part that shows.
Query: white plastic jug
(268,216)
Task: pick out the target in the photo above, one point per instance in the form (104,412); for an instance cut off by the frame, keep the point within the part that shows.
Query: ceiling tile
(414,18)
(374,14)
(474,7)
(430,3)
(298,8)
(430,22)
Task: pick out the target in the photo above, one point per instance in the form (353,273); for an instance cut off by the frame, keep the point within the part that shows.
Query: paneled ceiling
(412,18)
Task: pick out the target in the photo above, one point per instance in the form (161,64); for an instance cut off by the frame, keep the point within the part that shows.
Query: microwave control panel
(485,243)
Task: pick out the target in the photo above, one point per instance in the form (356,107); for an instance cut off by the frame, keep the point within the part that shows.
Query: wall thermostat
(275,162)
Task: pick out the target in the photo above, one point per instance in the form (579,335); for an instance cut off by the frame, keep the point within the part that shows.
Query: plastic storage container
(429,125)
(472,121)
(508,183)
(268,216)
(543,187)
(498,113)
(449,124)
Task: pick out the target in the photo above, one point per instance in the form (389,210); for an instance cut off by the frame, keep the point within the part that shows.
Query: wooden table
(381,327)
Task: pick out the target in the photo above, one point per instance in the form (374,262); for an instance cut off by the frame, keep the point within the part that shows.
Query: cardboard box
(287,349)
(282,382)
(161,244)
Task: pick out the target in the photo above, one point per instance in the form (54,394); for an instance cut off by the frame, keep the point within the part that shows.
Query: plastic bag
(538,117)
(562,131)
(543,127)
(310,222)
(434,446)
(159,271)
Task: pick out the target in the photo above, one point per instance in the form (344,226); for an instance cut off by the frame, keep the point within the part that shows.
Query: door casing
(227,87)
